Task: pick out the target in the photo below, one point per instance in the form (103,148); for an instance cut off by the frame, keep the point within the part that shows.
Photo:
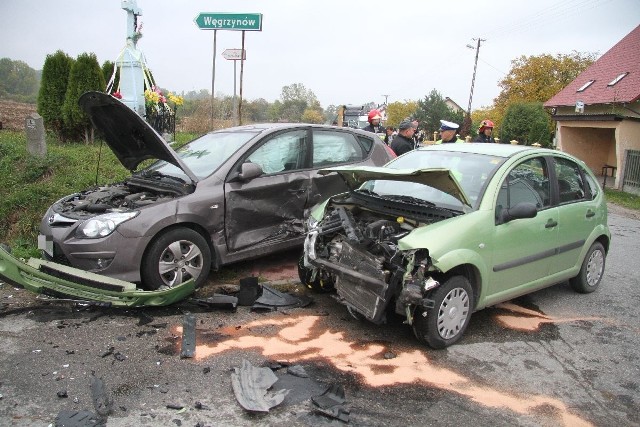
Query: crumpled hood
(128,135)
(441,178)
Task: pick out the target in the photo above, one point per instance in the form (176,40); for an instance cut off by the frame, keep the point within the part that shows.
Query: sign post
(234,22)
(234,55)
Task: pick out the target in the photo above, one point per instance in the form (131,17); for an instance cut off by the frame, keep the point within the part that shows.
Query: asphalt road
(551,358)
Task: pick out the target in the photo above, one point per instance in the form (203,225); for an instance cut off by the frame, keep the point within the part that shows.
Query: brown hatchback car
(230,195)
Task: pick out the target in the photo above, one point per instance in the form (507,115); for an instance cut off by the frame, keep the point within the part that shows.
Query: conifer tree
(53,88)
(86,75)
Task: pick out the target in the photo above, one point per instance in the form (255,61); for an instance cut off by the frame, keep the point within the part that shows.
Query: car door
(577,213)
(331,148)
(523,248)
(269,208)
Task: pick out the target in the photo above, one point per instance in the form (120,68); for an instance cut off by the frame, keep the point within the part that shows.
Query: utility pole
(385,99)
(467,121)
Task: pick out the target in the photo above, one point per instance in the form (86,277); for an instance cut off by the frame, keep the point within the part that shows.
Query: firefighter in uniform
(485,132)
(374,126)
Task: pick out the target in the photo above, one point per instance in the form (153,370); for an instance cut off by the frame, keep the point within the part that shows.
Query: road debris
(331,403)
(251,387)
(188,336)
(272,299)
(72,284)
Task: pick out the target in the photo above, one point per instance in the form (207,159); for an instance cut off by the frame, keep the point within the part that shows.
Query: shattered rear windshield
(205,154)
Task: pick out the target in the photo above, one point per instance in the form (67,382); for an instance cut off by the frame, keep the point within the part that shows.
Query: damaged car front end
(355,241)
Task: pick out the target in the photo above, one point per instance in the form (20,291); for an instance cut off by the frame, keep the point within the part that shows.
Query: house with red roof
(598,115)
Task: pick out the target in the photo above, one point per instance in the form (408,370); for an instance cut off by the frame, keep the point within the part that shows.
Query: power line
(546,16)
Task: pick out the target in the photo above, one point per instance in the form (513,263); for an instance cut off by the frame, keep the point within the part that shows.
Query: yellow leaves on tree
(538,78)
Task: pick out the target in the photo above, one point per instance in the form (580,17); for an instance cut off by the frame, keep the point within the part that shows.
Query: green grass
(620,198)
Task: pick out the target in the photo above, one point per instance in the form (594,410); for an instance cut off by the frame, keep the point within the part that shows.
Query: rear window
(331,147)
(367,143)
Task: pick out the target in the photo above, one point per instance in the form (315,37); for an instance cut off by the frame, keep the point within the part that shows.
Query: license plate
(45,243)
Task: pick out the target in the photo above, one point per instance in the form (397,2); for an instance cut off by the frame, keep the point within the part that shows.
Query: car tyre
(323,283)
(445,323)
(175,257)
(591,271)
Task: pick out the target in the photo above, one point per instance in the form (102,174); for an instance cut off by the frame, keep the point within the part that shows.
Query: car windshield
(471,170)
(205,154)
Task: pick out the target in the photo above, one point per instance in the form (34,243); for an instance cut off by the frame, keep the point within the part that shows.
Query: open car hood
(128,135)
(441,179)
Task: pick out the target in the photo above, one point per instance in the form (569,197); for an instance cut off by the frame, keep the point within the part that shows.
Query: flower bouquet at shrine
(158,111)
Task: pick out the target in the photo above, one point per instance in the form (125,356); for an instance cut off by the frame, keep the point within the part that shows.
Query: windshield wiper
(409,199)
(367,191)
(159,175)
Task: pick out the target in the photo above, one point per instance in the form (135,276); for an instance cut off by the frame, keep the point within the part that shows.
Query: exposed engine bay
(134,193)
(357,246)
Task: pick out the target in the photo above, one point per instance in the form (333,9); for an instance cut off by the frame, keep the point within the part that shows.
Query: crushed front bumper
(56,280)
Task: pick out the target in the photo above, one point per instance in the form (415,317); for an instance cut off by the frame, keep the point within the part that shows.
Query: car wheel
(175,257)
(591,271)
(444,324)
(323,282)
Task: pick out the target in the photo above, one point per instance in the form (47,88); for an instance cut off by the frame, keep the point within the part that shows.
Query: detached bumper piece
(60,281)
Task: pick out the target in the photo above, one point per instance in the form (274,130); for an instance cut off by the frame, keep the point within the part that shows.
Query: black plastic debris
(300,389)
(272,299)
(188,336)
(218,302)
(145,319)
(175,406)
(249,291)
(199,406)
(62,394)
(108,352)
(251,387)
(331,403)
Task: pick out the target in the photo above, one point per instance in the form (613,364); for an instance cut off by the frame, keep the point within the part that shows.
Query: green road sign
(229,21)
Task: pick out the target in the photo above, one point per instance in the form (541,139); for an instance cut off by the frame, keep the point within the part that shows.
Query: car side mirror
(519,211)
(249,171)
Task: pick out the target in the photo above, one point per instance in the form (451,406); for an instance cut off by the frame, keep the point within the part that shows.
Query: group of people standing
(406,139)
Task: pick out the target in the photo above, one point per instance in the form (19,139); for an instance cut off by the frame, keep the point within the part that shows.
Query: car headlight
(103,225)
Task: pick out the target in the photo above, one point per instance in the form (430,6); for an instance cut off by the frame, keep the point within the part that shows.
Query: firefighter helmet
(485,124)
(374,115)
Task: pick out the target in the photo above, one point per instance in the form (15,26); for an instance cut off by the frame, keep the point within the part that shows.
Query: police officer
(448,131)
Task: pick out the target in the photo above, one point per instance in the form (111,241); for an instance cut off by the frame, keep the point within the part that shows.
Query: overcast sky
(346,52)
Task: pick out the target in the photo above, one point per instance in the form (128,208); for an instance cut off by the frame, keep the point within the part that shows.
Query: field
(13,114)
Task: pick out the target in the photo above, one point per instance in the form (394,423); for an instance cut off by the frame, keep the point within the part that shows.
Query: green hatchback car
(449,229)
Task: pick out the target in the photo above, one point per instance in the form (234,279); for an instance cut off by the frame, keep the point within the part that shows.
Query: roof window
(586,85)
(617,79)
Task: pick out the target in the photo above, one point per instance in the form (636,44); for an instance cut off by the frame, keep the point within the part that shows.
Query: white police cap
(445,125)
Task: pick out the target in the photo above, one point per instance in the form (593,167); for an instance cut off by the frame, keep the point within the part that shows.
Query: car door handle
(298,191)
(590,213)
(550,224)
